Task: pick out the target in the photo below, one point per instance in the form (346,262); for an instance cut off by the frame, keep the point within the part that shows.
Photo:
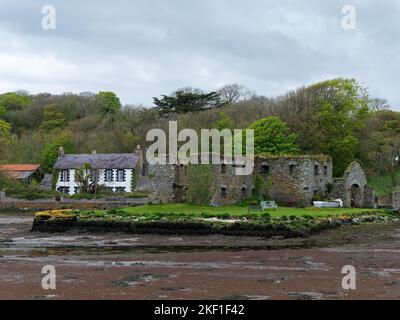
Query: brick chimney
(61,152)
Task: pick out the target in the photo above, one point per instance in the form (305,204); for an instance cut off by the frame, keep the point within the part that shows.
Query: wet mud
(140,266)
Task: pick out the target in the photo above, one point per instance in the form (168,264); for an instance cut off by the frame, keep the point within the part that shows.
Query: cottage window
(64,175)
(292,168)
(121,175)
(108,175)
(316,170)
(64,190)
(120,189)
(325,170)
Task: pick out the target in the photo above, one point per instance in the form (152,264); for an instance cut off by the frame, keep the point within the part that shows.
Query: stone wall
(229,188)
(385,202)
(295,179)
(352,188)
(370,200)
(11,203)
(396,199)
(290,180)
(159,181)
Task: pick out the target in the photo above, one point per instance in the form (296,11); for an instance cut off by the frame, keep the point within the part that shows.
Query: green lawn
(382,185)
(238,210)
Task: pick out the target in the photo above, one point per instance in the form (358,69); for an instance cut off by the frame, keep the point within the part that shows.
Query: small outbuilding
(22,172)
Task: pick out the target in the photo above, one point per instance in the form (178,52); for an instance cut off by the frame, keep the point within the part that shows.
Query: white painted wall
(127,184)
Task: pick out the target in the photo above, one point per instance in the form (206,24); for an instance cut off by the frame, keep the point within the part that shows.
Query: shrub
(84,196)
(112,211)
(30,192)
(301,204)
(266,215)
(391,212)
(224,216)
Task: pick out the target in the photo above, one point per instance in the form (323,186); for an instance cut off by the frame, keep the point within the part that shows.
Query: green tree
(52,118)
(387,156)
(342,106)
(50,151)
(83,176)
(2,112)
(381,144)
(224,122)
(183,101)
(5,137)
(271,135)
(109,102)
(12,101)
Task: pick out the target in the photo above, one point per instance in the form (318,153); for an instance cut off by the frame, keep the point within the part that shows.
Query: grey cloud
(141,49)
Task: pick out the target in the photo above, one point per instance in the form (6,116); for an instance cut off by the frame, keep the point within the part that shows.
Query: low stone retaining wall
(166,228)
(10,203)
(63,222)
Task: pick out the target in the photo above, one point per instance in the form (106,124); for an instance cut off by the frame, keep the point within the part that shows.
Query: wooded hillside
(335,117)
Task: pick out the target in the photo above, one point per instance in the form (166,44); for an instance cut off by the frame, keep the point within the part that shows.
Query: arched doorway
(356,196)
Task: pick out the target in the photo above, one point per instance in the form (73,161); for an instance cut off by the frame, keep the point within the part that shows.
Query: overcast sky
(141,49)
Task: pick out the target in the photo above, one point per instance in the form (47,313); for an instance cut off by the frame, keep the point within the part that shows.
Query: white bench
(268,205)
(328,204)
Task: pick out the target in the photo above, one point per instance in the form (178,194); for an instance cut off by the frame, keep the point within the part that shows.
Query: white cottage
(114,171)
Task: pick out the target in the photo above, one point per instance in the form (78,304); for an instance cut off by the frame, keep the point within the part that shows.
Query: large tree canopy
(50,151)
(14,101)
(109,102)
(5,136)
(342,105)
(272,136)
(183,101)
(53,118)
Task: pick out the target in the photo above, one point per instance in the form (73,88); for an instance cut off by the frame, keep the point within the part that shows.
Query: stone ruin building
(289,180)
(352,188)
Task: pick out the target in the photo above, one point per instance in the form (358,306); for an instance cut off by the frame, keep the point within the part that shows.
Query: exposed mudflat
(120,266)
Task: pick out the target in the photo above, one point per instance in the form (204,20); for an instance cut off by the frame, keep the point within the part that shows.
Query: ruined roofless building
(289,180)
(293,180)
(286,179)
(195,183)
